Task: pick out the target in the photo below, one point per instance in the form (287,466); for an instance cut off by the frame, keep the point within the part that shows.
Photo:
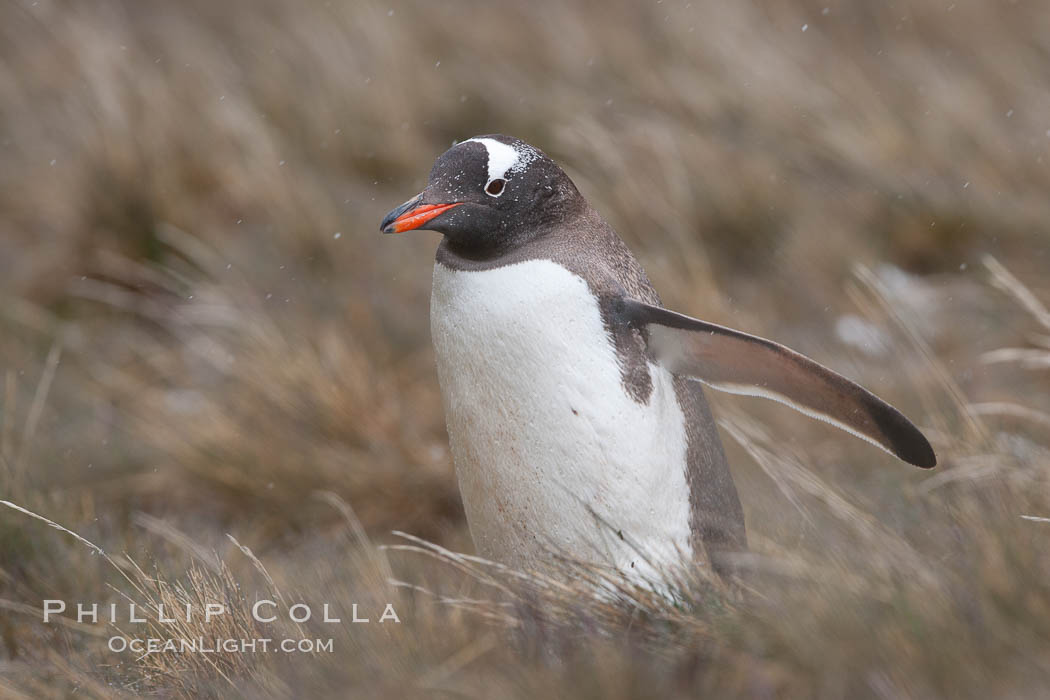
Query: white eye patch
(504,159)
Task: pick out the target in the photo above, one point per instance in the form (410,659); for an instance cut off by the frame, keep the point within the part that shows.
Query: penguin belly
(553,456)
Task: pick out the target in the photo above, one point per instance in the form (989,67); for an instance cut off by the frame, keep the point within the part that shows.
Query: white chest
(551,453)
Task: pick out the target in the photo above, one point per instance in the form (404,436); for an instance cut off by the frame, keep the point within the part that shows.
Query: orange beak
(411,215)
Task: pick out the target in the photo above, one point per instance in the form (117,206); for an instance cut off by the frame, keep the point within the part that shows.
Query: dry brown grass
(188,350)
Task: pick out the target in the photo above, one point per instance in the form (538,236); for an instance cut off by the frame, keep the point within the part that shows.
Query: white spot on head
(504,159)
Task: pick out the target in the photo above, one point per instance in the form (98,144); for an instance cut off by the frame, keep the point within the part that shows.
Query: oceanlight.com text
(202,645)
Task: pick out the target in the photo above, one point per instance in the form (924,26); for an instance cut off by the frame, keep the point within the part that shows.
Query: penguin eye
(495,188)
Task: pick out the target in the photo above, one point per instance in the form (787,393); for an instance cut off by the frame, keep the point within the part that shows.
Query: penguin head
(489,193)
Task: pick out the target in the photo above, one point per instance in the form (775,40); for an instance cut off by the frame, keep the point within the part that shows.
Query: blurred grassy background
(201,328)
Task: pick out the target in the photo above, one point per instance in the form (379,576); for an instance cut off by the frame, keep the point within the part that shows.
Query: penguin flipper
(735,362)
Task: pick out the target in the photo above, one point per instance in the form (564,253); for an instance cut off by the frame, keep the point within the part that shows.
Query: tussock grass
(213,368)
(937,590)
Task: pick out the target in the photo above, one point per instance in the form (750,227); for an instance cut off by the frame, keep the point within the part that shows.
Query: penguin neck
(522,243)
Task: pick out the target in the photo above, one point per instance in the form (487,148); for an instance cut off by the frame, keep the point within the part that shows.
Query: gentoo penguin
(573,399)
